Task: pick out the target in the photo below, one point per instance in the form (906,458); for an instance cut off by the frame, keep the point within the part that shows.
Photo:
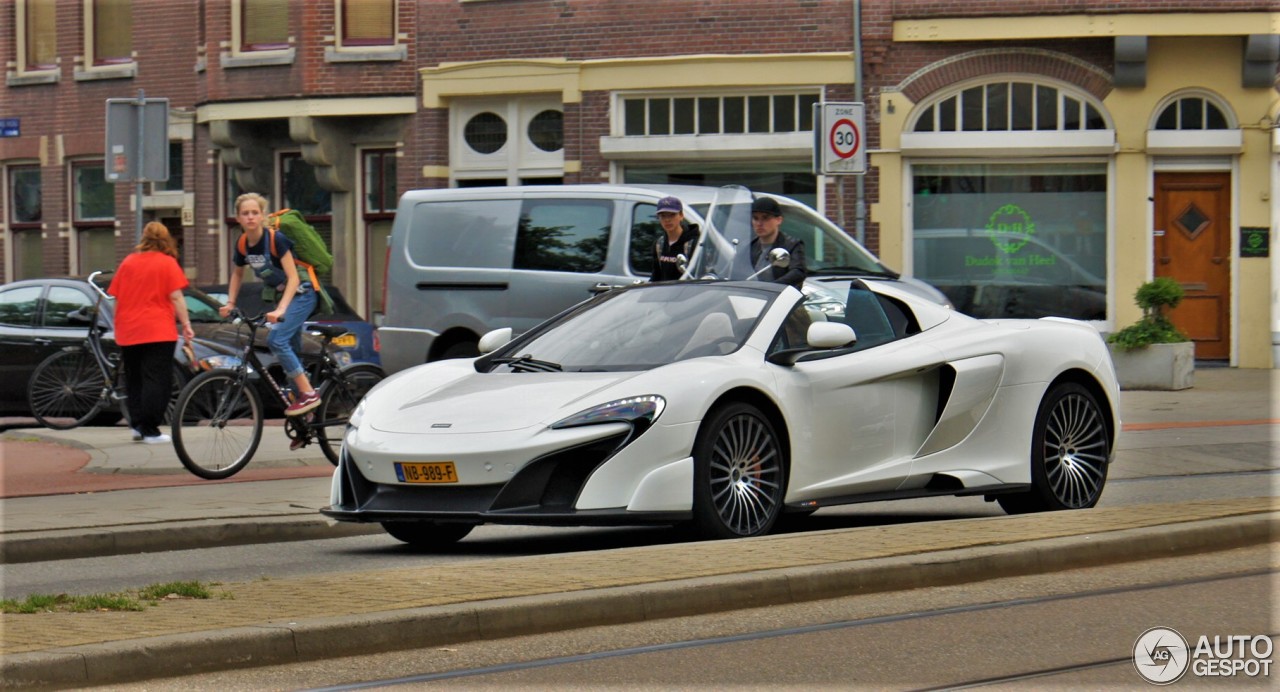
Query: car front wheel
(739,474)
(1070,445)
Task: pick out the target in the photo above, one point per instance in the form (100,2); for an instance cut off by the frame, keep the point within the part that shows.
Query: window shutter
(266,24)
(42,38)
(368,22)
(112,31)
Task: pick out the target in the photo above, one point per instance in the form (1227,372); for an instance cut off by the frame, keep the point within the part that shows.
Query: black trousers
(148,379)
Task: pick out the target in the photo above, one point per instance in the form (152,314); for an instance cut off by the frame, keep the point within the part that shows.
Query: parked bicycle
(72,386)
(218,420)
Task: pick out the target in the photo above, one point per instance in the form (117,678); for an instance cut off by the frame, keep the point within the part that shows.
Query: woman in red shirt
(148,290)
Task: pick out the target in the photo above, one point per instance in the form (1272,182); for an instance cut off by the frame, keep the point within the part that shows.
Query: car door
(19,315)
(55,329)
(859,414)
(561,254)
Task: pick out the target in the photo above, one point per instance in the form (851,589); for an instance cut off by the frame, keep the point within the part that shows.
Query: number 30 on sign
(839,147)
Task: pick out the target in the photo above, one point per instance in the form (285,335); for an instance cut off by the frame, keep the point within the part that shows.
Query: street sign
(10,127)
(137,140)
(839,146)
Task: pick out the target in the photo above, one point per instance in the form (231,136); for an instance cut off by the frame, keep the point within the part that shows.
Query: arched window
(1192,112)
(1009,106)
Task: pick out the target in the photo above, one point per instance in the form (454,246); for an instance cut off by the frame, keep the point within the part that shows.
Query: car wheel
(427,535)
(1070,446)
(739,474)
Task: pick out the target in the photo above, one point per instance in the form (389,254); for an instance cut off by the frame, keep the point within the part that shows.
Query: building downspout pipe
(860,206)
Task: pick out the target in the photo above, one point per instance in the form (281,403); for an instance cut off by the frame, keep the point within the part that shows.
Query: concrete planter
(1158,366)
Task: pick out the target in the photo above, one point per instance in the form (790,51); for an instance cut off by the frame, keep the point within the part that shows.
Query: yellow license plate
(426,472)
(346,341)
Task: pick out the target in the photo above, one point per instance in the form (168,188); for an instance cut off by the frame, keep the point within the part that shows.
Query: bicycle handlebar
(94,284)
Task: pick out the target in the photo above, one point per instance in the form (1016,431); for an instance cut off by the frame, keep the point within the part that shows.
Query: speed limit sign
(839,139)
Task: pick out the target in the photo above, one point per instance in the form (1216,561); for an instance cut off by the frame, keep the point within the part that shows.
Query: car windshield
(642,328)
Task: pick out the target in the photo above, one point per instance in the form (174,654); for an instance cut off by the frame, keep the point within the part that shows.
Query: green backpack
(309,252)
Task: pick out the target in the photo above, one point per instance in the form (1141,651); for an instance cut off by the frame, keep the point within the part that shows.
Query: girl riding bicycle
(297,297)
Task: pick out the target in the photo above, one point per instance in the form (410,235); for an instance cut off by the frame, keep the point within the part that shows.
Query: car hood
(450,397)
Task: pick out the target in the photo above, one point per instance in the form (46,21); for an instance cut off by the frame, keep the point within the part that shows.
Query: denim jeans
(285,339)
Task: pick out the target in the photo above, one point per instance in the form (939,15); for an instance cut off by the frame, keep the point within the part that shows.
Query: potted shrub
(1151,353)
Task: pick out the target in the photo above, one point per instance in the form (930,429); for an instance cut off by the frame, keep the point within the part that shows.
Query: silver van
(463,261)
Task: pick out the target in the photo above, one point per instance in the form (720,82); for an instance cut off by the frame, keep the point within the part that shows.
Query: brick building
(1081,146)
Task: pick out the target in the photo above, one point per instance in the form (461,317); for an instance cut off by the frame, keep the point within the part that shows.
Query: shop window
(1013,240)
(729,114)
(1192,113)
(1009,106)
(368,22)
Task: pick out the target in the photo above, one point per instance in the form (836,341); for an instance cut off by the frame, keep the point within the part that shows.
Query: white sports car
(724,405)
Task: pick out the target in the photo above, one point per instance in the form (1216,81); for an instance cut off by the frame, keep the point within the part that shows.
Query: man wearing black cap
(766,221)
(678,238)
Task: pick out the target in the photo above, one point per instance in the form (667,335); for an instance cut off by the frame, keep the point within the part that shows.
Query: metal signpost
(137,145)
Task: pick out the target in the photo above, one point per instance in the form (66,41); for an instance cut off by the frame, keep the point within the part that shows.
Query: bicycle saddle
(328,331)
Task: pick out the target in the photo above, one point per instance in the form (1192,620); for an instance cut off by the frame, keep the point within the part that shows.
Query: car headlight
(221,362)
(353,421)
(639,411)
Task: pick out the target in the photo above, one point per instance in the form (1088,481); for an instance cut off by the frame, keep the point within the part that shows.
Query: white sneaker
(161,439)
(137,434)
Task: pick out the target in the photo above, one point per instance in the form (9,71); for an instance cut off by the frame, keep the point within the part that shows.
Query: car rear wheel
(1070,446)
(427,535)
(738,474)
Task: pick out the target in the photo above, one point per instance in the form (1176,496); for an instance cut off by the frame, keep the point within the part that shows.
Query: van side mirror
(494,340)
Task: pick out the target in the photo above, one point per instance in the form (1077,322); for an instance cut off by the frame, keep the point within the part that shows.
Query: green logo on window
(1009,228)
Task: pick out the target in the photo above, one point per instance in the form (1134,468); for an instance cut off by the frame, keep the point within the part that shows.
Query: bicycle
(79,382)
(218,420)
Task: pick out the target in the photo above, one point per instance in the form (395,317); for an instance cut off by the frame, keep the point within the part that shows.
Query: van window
(644,234)
(472,233)
(563,235)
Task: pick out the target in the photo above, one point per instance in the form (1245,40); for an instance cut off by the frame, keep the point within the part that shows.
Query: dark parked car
(34,323)
(361,343)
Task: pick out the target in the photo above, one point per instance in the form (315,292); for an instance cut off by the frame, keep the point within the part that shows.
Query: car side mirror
(494,340)
(830,335)
(821,336)
(81,316)
(682,263)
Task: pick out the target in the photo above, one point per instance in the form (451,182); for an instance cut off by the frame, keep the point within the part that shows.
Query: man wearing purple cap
(678,238)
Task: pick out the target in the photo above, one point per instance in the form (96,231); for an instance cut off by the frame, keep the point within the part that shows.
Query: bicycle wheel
(66,389)
(338,402)
(217,424)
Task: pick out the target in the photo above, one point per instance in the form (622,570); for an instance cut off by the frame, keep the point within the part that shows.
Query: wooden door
(1193,246)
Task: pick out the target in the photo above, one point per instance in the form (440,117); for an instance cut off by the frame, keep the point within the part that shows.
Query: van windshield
(828,250)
